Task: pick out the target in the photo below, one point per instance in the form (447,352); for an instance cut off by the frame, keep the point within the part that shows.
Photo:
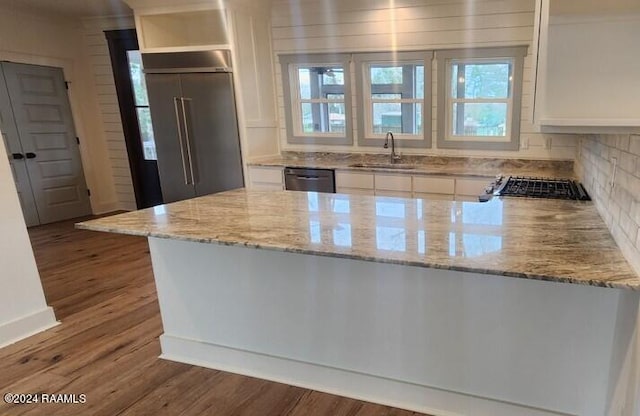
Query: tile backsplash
(609,168)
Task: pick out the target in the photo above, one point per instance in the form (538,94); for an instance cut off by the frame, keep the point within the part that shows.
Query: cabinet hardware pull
(187,137)
(180,141)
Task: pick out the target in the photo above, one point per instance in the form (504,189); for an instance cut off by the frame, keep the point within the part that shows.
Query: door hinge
(89,192)
(66,85)
(78,140)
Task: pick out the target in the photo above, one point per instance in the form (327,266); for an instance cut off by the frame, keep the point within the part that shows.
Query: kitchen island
(515,306)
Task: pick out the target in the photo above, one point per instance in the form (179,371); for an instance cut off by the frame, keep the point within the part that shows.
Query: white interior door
(45,126)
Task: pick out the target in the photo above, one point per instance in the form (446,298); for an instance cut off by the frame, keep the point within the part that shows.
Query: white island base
(435,341)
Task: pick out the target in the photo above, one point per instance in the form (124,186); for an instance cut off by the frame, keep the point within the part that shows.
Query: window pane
(146,133)
(305,83)
(398,118)
(455,81)
(381,74)
(323,117)
(333,76)
(137,78)
(481,80)
(316,82)
(339,97)
(419,74)
(387,117)
(479,119)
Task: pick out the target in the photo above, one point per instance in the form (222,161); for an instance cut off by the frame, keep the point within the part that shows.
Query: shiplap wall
(98,51)
(383,25)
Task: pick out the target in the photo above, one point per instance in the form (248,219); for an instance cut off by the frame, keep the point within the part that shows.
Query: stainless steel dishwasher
(318,180)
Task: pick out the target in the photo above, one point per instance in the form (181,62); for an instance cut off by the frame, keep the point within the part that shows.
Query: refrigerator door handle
(187,137)
(180,141)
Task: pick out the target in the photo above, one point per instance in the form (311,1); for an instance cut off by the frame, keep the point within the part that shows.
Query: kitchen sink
(382,166)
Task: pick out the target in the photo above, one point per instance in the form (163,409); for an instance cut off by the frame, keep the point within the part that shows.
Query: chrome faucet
(394,156)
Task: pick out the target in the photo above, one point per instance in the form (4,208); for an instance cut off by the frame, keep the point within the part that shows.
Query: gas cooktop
(531,187)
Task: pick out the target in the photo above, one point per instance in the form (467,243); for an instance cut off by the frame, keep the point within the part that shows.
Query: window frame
(289,64)
(364,101)
(445,59)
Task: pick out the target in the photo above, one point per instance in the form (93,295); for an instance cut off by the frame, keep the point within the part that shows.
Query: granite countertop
(427,165)
(562,241)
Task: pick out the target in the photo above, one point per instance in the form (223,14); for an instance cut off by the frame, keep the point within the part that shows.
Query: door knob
(17,156)
(30,155)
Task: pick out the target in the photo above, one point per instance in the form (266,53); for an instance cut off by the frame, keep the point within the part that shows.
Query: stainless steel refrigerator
(193,112)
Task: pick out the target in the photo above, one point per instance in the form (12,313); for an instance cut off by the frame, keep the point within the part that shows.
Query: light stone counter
(402,302)
(427,165)
(562,241)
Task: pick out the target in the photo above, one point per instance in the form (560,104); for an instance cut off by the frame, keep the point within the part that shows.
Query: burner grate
(541,188)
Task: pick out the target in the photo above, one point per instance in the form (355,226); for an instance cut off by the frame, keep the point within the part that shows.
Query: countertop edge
(466,269)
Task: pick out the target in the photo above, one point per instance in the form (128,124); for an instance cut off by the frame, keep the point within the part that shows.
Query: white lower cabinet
(392,182)
(433,187)
(468,189)
(265,178)
(401,184)
(360,183)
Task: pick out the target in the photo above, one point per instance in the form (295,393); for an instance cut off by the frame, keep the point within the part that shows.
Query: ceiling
(70,8)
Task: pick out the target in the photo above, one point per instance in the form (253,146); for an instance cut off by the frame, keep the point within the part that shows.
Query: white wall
(366,25)
(23,309)
(107,109)
(54,41)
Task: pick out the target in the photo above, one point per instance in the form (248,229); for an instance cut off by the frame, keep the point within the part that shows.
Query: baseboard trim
(19,329)
(340,382)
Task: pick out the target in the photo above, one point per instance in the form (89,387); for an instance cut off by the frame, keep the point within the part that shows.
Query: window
(317,98)
(392,89)
(141,102)
(479,98)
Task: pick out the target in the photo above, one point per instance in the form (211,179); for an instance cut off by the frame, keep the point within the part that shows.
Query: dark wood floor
(101,288)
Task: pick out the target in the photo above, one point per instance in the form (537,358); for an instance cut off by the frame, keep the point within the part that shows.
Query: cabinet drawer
(354,180)
(265,175)
(473,187)
(426,184)
(393,182)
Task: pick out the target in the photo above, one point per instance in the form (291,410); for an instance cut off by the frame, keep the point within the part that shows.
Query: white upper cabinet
(588,65)
(191,29)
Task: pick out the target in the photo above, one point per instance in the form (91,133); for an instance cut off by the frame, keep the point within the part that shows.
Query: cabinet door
(174,165)
(431,185)
(354,180)
(390,182)
(471,187)
(212,131)
(265,178)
